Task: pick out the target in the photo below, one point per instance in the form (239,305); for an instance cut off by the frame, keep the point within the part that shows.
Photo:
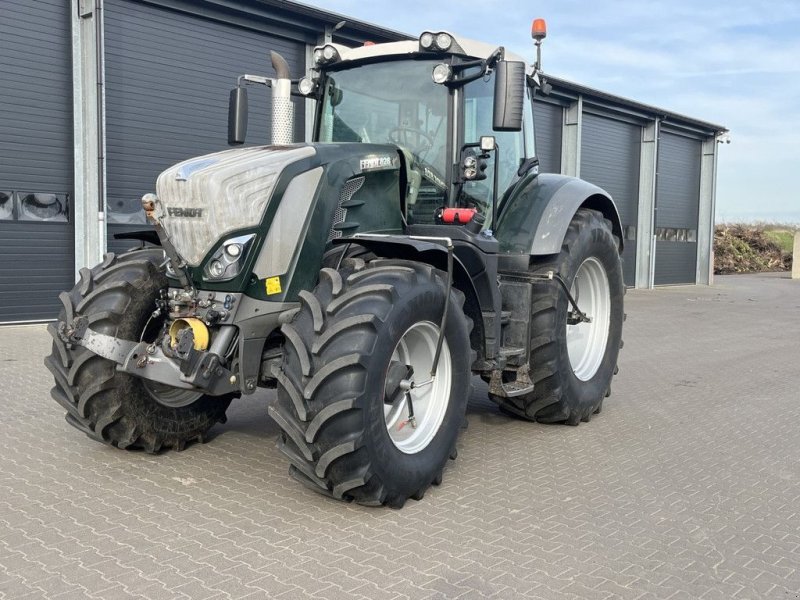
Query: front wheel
(118,298)
(572,361)
(361,417)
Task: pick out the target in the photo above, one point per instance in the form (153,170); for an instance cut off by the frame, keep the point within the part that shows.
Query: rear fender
(535,216)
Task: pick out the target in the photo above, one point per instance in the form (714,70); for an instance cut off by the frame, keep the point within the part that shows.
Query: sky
(731,62)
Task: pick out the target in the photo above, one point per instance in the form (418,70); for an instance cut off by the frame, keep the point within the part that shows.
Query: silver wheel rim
(170,396)
(417,348)
(586,342)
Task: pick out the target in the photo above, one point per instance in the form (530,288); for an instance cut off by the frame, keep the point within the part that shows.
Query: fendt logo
(193,213)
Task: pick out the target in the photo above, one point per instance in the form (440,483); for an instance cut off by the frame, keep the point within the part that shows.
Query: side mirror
(237,116)
(509,95)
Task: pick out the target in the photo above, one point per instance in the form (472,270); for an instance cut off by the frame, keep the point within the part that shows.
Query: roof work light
(435,42)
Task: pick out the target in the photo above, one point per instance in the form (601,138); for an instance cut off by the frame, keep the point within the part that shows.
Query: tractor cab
(435,98)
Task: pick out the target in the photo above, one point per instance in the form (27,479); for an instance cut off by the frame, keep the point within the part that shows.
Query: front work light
(435,42)
(442,73)
(326,54)
(306,86)
(444,41)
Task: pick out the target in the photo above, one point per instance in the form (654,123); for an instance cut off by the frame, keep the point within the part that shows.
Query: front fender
(535,216)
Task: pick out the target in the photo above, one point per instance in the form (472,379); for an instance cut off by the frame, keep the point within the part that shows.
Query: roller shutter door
(168,75)
(36,232)
(548,120)
(677,204)
(610,154)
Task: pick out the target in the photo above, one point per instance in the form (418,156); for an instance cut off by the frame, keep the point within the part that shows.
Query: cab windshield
(392,102)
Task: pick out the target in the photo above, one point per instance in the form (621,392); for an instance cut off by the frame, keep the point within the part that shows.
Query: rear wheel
(572,362)
(118,297)
(362,420)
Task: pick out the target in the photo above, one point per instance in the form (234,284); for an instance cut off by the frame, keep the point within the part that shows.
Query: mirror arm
(484,64)
(495,184)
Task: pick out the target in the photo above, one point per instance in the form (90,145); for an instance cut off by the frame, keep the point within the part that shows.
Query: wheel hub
(170,396)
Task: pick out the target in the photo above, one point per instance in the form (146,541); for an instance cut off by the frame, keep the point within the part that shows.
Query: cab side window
(478,112)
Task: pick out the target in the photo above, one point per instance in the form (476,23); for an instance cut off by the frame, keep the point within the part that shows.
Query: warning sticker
(273,285)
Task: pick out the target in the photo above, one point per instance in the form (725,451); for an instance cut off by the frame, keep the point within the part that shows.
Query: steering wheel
(416,140)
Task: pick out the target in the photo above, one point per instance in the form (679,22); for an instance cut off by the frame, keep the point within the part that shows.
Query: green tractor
(368,276)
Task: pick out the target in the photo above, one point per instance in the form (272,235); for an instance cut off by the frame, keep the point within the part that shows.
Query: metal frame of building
(570,104)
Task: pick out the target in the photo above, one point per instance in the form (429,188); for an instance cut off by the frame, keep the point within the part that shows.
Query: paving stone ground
(687,485)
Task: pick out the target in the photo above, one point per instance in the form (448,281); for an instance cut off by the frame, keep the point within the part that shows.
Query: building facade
(102,95)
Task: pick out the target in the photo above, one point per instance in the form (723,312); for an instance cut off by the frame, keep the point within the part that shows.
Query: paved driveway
(686,486)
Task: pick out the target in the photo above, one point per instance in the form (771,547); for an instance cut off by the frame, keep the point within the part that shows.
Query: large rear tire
(118,297)
(572,364)
(344,419)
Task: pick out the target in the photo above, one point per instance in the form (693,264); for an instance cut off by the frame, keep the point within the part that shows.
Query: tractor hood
(204,198)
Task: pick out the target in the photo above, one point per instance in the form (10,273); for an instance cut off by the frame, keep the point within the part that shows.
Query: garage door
(168,75)
(677,203)
(610,152)
(36,232)
(548,119)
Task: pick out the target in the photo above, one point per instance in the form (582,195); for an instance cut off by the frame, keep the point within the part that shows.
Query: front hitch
(189,369)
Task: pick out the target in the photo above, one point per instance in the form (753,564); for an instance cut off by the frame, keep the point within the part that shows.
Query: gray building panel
(677,202)
(610,152)
(675,263)
(548,121)
(35,157)
(35,97)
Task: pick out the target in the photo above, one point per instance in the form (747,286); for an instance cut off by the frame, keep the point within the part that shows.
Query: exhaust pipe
(282,109)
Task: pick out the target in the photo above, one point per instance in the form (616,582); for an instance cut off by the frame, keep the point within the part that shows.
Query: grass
(783,237)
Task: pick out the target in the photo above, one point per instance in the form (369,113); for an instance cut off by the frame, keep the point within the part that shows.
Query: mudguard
(474,273)
(535,214)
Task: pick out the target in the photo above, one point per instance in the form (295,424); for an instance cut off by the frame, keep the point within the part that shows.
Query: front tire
(345,424)
(118,297)
(572,364)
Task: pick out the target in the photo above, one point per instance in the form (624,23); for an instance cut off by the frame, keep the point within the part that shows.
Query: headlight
(226,263)
(426,40)
(216,269)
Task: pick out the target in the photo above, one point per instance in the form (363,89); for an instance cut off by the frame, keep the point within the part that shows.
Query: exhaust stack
(282,109)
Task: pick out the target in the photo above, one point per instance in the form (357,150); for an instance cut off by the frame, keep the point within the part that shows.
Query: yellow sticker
(273,285)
